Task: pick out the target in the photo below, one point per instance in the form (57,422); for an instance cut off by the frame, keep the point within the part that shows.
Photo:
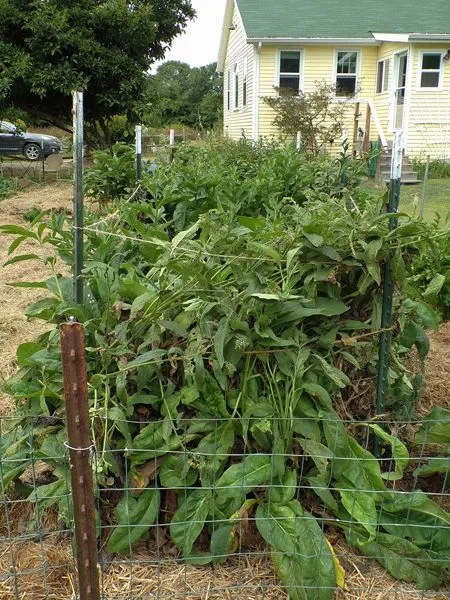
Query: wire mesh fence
(211,517)
(218,427)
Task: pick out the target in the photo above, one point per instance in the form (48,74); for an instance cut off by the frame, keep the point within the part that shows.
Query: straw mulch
(14,327)
(36,568)
(437,372)
(45,570)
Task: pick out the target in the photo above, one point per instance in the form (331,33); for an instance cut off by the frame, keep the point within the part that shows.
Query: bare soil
(14,326)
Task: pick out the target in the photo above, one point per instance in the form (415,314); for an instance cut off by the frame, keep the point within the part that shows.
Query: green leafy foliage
(314,115)
(430,269)
(112,174)
(134,517)
(225,323)
(178,93)
(49,49)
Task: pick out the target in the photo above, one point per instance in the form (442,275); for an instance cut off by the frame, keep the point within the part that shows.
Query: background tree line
(106,49)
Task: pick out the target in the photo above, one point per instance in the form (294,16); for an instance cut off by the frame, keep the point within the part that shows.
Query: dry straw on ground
(44,566)
(14,327)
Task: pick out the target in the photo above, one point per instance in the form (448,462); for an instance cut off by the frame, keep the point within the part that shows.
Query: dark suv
(33,146)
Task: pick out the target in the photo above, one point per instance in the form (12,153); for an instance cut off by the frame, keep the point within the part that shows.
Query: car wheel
(32,152)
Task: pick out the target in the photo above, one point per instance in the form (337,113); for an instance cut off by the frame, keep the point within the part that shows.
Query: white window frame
(245,82)
(236,86)
(385,82)
(357,74)
(228,85)
(420,70)
(301,51)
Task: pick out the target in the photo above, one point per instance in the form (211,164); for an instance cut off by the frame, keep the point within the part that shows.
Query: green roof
(342,18)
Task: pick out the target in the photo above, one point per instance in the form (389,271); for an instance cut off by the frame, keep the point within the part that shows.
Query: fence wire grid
(37,553)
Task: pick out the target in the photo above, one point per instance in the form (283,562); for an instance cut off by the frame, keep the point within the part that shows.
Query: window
(228,90)
(346,73)
(236,86)
(289,68)
(244,83)
(430,73)
(383,76)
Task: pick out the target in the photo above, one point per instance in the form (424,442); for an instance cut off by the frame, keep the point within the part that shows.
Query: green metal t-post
(388,284)
(78,196)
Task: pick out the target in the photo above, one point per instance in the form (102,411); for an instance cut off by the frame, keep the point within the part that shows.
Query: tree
(104,47)
(178,93)
(314,114)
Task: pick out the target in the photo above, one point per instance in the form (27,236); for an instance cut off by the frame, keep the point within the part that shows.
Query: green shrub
(226,316)
(430,270)
(8,186)
(439,168)
(112,174)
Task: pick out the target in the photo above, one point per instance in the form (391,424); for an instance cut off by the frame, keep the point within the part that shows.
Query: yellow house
(390,56)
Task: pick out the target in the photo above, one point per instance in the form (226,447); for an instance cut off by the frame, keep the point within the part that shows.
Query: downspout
(256,70)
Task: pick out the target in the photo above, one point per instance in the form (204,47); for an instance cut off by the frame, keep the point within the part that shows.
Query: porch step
(409,176)
(406,174)
(405,181)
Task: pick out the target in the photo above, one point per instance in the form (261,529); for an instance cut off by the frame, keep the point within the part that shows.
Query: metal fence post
(171,144)
(388,286)
(80,447)
(424,188)
(138,153)
(78,195)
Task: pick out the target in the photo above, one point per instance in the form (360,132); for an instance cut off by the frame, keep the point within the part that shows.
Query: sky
(199,45)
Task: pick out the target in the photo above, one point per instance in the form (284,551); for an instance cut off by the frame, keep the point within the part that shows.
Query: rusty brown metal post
(79,444)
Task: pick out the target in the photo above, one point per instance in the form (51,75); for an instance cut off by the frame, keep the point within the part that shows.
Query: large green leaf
(352,464)
(300,553)
(438,464)
(189,520)
(277,523)
(435,286)
(291,310)
(401,558)
(212,452)
(134,518)
(435,428)
(361,506)
(176,472)
(253,471)
(414,502)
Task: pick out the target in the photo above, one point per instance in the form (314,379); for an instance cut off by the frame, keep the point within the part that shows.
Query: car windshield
(6,127)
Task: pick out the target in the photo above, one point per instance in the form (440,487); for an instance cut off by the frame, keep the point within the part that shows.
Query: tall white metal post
(78,195)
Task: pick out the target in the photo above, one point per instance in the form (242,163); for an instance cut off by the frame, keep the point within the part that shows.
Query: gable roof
(342,18)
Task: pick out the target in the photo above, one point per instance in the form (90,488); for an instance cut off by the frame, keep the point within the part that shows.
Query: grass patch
(437,198)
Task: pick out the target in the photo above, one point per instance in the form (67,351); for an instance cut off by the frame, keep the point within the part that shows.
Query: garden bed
(232,336)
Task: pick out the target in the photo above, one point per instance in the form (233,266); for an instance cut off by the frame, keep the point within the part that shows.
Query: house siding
(319,65)
(238,121)
(429,111)
(384,101)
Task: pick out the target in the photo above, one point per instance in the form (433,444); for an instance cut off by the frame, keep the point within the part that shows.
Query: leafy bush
(4,187)
(247,180)
(439,168)
(315,115)
(7,186)
(221,337)
(430,270)
(112,174)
